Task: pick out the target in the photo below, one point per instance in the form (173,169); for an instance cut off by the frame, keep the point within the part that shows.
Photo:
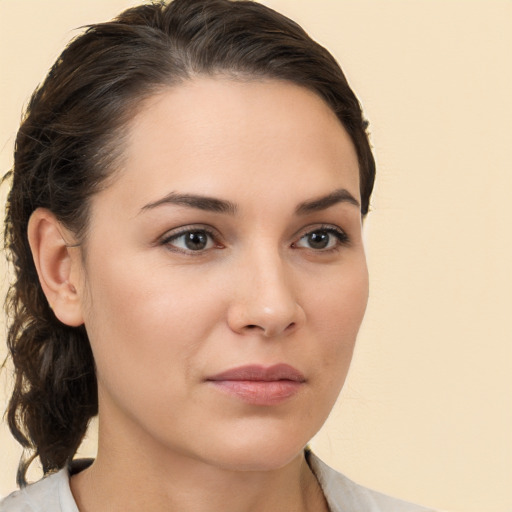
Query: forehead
(224,137)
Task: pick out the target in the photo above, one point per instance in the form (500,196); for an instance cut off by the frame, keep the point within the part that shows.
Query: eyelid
(183,230)
(338,232)
(169,236)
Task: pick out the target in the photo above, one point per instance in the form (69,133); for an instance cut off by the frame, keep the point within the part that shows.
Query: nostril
(256,319)
(268,332)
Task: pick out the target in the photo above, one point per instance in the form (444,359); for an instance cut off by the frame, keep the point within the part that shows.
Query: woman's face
(224,277)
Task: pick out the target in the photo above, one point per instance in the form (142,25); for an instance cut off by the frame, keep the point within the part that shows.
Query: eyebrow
(213,204)
(341,195)
(210,204)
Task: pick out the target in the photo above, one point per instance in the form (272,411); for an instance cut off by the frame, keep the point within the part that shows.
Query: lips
(259,385)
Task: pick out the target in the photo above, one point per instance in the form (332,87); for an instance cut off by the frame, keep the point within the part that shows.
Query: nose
(265,300)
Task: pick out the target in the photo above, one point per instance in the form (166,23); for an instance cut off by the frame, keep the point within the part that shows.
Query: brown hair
(66,147)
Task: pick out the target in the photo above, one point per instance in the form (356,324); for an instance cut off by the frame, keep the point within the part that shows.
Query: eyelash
(339,234)
(212,235)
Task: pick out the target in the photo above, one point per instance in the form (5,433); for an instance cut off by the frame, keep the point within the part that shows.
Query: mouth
(259,385)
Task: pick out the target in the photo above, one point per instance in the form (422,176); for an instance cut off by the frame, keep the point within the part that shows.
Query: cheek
(142,321)
(341,302)
(336,314)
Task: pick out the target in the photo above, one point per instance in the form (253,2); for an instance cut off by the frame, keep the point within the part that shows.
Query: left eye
(322,239)
(193,240)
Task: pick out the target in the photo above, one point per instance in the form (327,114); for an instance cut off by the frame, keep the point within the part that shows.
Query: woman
(185,227)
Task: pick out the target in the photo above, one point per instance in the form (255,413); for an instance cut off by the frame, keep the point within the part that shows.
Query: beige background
(427,411)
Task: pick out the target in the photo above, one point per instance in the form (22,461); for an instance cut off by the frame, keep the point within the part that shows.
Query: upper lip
(255,372)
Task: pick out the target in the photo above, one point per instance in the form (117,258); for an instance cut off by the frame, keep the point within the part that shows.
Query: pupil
(319,240)
(196,240)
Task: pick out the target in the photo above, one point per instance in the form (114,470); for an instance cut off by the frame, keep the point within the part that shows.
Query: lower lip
(259,392)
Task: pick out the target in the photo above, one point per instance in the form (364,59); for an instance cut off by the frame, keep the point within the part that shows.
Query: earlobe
(57,266)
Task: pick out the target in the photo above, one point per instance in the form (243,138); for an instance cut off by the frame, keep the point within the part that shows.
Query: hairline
(136,104)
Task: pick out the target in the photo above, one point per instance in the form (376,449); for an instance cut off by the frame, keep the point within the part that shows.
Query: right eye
(190,241)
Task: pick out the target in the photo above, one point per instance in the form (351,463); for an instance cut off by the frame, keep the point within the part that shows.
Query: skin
(162,318)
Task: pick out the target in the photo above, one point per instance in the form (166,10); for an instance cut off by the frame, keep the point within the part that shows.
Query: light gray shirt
(53,494)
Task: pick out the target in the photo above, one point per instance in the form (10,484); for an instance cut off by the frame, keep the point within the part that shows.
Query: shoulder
(344,495)
(50,494)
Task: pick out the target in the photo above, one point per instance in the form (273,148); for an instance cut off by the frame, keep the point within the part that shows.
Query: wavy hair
(69,141)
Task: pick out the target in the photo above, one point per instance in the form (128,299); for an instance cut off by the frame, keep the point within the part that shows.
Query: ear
(58,265)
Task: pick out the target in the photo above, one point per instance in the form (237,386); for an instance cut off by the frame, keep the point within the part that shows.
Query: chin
(258,453)
(258,460)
